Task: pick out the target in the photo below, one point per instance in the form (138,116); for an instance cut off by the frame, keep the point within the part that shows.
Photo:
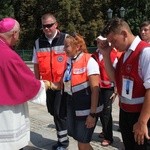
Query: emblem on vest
(79,70)
(60,58)
(128,68)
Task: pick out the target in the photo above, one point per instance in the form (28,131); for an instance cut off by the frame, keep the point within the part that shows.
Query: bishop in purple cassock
(17,86)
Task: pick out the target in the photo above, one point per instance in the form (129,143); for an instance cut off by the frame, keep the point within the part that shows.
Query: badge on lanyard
(127,87)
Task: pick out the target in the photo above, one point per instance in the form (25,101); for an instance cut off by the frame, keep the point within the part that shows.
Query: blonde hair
(77,39)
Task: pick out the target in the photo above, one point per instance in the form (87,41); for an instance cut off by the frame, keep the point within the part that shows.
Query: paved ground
(43,133)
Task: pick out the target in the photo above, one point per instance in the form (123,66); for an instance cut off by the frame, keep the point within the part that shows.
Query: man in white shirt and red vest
(132,78)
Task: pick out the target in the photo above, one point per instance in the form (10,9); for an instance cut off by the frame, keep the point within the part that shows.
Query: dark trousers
(57,108)
(106,115)
(126,122)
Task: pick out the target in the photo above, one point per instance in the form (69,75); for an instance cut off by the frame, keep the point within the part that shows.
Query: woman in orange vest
(81,83)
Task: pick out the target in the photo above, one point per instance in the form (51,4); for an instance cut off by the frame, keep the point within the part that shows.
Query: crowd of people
(78,87)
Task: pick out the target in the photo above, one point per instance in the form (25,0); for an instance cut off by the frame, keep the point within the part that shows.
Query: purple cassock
(17,82)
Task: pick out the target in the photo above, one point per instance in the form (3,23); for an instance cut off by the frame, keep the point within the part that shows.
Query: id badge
(127,88)
(67,87)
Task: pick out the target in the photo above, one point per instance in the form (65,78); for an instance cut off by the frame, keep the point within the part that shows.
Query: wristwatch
(93,115)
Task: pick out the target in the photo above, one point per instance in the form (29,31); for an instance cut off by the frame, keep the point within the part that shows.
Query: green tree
(6,8)
(72,15)
(87,17)
(137,14)
(93,19)
(23,11)
(136,11)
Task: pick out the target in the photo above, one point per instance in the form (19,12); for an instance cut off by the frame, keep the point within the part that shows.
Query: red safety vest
(104,79)
(129,69)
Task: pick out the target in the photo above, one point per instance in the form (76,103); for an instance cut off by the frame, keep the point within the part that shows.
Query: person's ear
(15,34)
(78,47)
(56,24)
(124,33)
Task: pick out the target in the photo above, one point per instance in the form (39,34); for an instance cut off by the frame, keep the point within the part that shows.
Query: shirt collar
(135,43)
(51,39)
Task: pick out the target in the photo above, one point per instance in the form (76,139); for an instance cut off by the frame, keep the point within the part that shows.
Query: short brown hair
(47,15)
(115,25)
(145,23)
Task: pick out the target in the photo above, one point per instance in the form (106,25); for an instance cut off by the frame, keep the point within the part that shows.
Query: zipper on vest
(51,63)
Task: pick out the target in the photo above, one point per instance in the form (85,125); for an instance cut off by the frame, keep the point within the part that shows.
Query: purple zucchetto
(6,24)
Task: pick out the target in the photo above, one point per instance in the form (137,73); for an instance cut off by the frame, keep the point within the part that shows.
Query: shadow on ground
(39,143)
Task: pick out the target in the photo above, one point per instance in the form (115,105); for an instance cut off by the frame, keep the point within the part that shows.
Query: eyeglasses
(48,25)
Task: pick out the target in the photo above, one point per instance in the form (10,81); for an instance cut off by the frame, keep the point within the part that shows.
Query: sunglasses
(48,25)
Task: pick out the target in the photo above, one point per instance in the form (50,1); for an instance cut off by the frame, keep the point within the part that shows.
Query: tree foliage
(86,17)
(136,11)
(6,8)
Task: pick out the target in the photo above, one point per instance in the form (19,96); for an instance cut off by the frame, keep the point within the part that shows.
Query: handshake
(52,85)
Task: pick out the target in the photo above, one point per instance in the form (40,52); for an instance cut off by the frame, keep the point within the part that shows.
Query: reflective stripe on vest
(57,49)
(132,101)
(133,105)
(80,87)
(87,111)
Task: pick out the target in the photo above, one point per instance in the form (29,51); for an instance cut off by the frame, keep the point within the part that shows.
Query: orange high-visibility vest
(51,57)
(81,92)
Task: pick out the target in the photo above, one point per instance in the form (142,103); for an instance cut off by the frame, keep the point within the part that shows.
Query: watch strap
(93,115)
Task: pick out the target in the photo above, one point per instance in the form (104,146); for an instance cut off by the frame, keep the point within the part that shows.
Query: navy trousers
(57,108)
(106,115)
(126,122)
